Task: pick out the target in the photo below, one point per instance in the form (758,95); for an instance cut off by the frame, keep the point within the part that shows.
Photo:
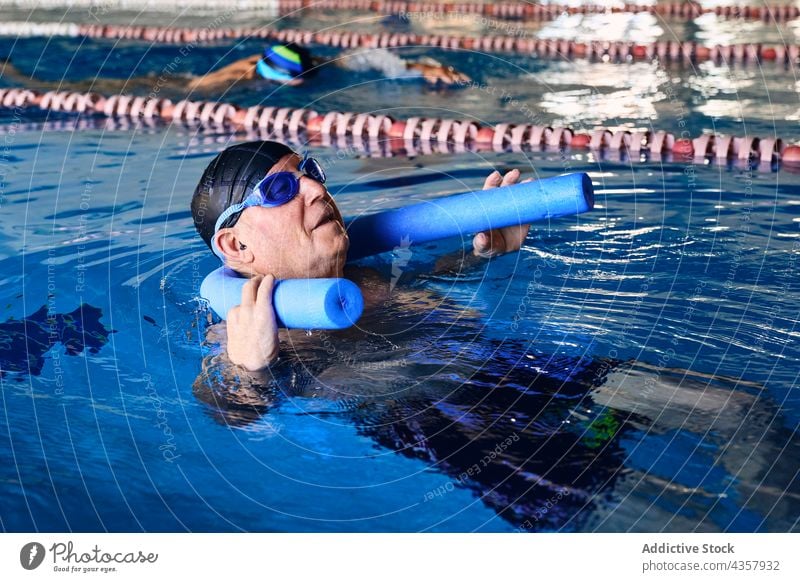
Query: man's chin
(332,236)
(342,245)
(331,254)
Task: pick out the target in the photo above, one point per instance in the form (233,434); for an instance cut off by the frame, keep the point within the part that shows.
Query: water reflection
(597,92)
(711,29)
(611,26)
(25,343)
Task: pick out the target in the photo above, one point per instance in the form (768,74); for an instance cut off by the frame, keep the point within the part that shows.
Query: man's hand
(252,330)
(500,240)
(439,74)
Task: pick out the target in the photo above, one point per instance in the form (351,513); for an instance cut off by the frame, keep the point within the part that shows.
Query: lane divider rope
(667,50)
(284,122)
(196,142)
(510,10)
(539,12)
(521,11)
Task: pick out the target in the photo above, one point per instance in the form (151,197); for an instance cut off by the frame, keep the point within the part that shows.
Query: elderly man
(266,213)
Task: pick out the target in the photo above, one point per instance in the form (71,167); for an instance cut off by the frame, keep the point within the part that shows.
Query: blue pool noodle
(469,213)
(298,303)
(338,303)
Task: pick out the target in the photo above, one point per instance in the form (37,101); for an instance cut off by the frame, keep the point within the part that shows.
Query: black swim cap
(228,180)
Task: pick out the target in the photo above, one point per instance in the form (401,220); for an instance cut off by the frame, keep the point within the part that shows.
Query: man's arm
(243,69)
(9,72)
(395,67)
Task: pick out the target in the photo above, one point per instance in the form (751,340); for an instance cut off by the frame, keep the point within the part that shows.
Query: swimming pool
(631,369)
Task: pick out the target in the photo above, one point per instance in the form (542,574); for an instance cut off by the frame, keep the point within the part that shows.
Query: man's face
(302,239)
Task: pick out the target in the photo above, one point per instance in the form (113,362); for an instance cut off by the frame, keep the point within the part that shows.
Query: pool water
(630,369)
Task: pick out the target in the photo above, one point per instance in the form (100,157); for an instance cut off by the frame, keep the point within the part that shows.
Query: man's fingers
(489,244)
(526,228)
(514,236)
(510,177)
(520,234)
(492,180)
(498,241)
(264,297)
(481,242)
(249,290)
(496,180)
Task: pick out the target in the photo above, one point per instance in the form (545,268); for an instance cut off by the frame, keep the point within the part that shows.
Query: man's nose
(311,190)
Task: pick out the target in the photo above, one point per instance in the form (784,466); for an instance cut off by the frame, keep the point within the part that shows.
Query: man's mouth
(326,217)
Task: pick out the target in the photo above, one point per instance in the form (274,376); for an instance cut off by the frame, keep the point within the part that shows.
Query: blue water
(630,369)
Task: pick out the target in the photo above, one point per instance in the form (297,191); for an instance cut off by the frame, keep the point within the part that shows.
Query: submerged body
(544,440)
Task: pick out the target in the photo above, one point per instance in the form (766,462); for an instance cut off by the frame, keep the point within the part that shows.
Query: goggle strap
(302,165)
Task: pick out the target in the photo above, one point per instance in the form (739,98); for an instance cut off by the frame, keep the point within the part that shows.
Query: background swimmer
(284,64)
(293,65)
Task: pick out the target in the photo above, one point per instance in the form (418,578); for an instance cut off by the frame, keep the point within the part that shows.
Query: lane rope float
(615,51)
(286,122)
(523,11)
(542,12)
(221,136)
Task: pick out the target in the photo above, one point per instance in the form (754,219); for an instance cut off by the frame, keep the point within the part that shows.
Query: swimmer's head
(288,64)
(303,238)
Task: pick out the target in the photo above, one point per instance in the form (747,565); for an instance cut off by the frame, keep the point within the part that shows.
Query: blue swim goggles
(272,190)
(263,69)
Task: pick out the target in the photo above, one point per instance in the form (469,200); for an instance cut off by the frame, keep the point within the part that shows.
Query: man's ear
(232,247)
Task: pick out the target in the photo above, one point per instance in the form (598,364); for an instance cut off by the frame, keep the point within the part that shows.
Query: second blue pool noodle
(298,303)
(470,213)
